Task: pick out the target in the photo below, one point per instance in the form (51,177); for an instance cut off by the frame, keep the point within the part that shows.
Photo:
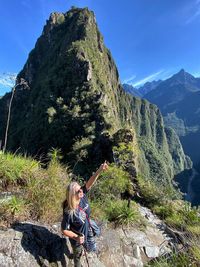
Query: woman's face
(78,192)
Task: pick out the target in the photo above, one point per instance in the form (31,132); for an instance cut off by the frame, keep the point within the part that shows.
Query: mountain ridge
(177,97)
(78,104)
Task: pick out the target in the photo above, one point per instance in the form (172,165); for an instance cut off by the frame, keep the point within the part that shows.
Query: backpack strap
(86,215)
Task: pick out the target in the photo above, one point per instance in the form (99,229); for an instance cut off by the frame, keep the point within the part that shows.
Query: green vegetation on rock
(37,193)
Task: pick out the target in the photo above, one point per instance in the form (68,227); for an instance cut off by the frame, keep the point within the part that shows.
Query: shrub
(111,184)
(180,214)
(121,214)
(40,192)
(194,229)
(176,260)
(55,155)
(98,210)
(163,211)
(15,205)
(195,252)
(46,192)
(175,221)
(61,19)
(190,214)
(15,170)
(150,191)
(157,193)
(14,209)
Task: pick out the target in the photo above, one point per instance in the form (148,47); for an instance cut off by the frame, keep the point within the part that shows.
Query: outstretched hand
(103,166)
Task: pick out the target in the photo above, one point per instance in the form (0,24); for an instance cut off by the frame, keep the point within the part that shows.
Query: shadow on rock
(44,245)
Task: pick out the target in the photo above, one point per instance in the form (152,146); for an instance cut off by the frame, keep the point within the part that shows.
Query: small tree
(21,82)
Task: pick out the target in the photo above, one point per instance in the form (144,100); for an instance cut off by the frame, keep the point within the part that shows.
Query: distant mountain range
(131,90)
(179,101)
(169,93)
(143,90)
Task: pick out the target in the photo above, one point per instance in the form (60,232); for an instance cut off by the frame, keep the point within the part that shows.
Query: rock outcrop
(33,244)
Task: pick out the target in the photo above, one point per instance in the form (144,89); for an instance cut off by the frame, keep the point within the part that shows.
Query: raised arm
(94,177)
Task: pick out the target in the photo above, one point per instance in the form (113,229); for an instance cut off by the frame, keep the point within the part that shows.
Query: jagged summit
(182,71)
(173,90)
(60,31)
(77,15)
(185,78)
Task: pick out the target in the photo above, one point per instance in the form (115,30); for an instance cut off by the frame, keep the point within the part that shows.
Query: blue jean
(90,243)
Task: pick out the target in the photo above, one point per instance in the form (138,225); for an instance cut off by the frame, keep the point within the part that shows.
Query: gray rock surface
(152,252)
(33,244)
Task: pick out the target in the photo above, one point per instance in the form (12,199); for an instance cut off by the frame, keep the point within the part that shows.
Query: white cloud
(193,17)
(148,78)
(196,74)
(7,79)
(130,79)
(194,12)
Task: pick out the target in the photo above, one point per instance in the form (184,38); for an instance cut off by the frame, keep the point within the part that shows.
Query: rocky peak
(54,19)
(183,75)
(186,79)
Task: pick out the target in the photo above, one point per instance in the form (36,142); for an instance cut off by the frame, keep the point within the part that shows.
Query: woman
(76,212)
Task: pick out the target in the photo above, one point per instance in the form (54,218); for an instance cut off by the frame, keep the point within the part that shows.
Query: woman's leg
(77,251)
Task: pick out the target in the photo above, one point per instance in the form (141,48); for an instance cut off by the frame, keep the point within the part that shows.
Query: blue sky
(149,39)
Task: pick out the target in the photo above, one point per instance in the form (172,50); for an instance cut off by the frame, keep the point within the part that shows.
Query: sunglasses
(79,191)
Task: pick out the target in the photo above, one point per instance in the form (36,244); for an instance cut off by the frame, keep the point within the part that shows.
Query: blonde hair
(70,203)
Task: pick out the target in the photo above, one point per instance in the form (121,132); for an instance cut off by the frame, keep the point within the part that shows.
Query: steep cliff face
(73,100)
(178,99)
